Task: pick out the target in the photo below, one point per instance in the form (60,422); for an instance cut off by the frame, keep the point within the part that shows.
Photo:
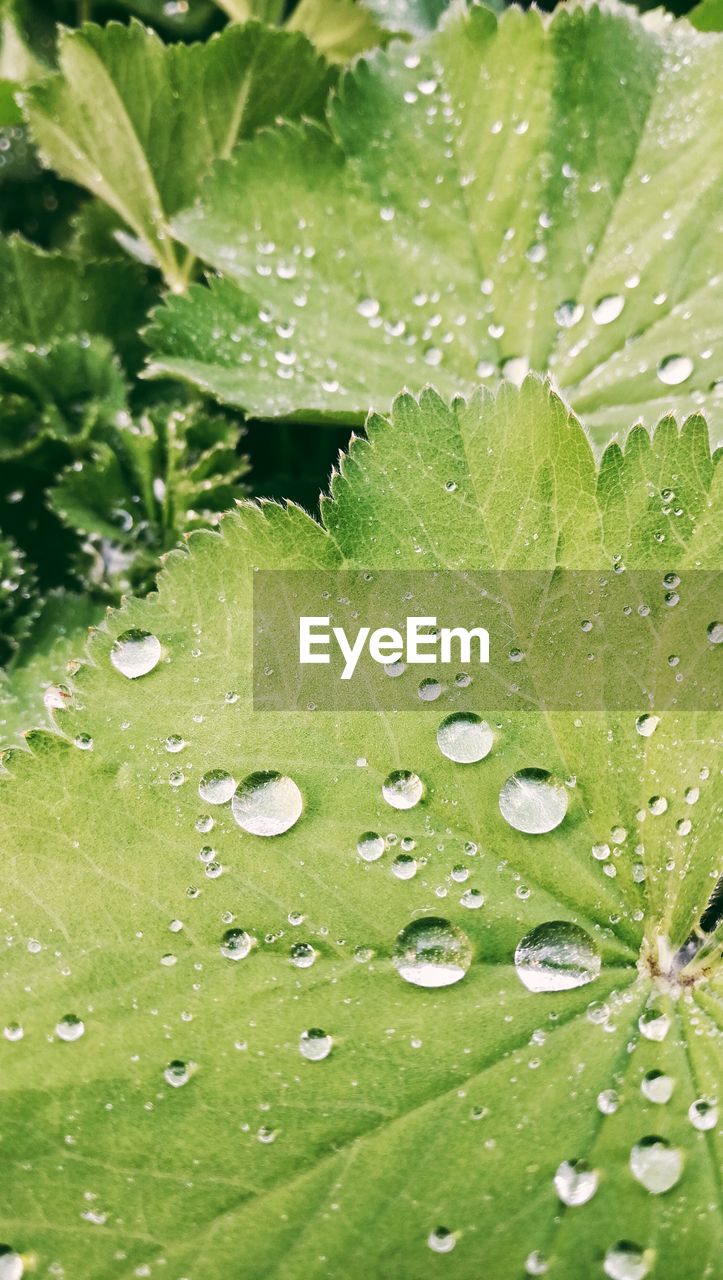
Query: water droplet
(556,956)
(176,1074)
(575,1182)
(84,742)
(657,805)
(404,866)
(653,1024)
(569,313)
(608,1102)
(464,738)
(533,801)
(431,952)
(472,899)
(216,787)
(675,369)
(315,1044)
(600,852)
(625,1261)
(657,1087)
(302,955)
(368,307)
(429,690)
(656,1164)
(236,944)
(536,1264)
(714,632)
(703,1114)
(441,1240)
(70,1028)
(646,725)
(402,789)
(485,369)
(515,369)
(267,804)
(13,1032)
(608,308)
(135,653)
(174,743)
(11,1264)
(370,846)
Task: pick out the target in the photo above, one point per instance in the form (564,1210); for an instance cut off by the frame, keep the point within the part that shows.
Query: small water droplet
(267,804)
(402,789)
(236,944)
(302,955)
(135,653)
(653,1024)
(370,846)
(714,632)
(431,952)
(675,369)
(315,1044)
(625,1261)
(608,1102)
(441,1240)
(217,786)
(569,313)
(70,1028)
(608,308)
(533,801)
(12,1266)
(703,1114)
(656,1164)
(646,725)
(657,1087)
(556,956)
(575,1182)
(176,1074)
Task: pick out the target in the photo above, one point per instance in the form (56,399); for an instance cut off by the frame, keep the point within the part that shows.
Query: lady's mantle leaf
(184,1122)
(478,208)
(139,123)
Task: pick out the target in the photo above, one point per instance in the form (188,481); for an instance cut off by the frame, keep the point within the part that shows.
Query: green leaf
(244,10)
(16,590)
(478,207)
(448,1108)
(338,28)
(139,123)
(146,486)
(34,682)
(707,16)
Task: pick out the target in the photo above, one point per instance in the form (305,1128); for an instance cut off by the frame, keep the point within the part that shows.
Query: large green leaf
(436,1109)
(139,123)
(502,193)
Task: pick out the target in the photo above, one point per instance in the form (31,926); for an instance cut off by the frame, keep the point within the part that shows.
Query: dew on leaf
(13,1032)
(177,1073)
(575,1182)
(626,1261)
(441,1240)
(429,690)
(267,804)
(703,1114)
(402,789)
(404,866)
(464,738)
(608,308)
(536,1264)
(236,944)
(656,1086)
(533,801)
(70,1028)
(12,1266)
(568,313)
(432,952)
(675,369)
(515,369)
(600,852)
(608,1102)
(657,805)
(217,786)
(556,956)
(653,1024)
(472,899)
(135,653)
(646,725)
(715,632)
(315,1044)
(174,743)
(302,955)
(656,1164)
(370,846)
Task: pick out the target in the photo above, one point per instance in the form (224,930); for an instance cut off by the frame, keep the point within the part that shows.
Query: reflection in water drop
(703,1114)
(657,1087)
(608,1102)
(217,786)
(646,725)
(575,1182)
(653,1024)
(608,308)
(370,846)
(135,653)
(402,789)
(315,1044)
(533,801)
(656,1164)
(302,955)
(176,1074)
(675,369)
(267,804)
(236,944)
(431,952)
(70,1028)
(626,1261)
(556,956)
(441,1240)
(464,738)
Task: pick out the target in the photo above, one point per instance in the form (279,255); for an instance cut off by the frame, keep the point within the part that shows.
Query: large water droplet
(536,1264)
(70,1028)
(267,804)
(236,944)
(657,1087)
(656,1164)
(302,955)
(11,1264)
(216,787)
(464,738)
(625,1261)
(569,313)
(575,1182)
(608,308)
(675,369)
(533,801)
(431,952)
(441,1240)
(402,789)
(370,846)
(315,1044)
(646,725)
(135,653)
(176,1074)
(653,1024)
(556,956)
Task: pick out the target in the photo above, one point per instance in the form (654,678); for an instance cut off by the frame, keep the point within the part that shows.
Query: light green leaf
(244,10)
(34,682)
(478,207)
(139,123)
(448,1108)
(16,590)
(707,16)
(338,28)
